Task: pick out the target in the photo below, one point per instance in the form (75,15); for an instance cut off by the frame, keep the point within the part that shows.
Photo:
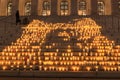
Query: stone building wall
(7,24)
(111,7)
(115,8)
(22,6)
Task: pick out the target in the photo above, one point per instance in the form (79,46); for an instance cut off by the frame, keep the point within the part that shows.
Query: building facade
(91,60)
(59,7)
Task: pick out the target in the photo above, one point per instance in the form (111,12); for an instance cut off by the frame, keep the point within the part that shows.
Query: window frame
(101,7)
(9,8)
(46,8)
(28,8)
(64,8)
(82,7)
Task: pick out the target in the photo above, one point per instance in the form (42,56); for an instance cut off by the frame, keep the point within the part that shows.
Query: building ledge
(96,74)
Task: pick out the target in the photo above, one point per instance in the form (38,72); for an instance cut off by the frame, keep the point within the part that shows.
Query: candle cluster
(78,46)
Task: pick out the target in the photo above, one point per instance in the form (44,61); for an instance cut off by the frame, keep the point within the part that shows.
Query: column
(115,7)
(107,7)
(21,7)
(34,7)
(88,7)
(93,7)
(73,7)
(54,7)
(3,7)
(15,6)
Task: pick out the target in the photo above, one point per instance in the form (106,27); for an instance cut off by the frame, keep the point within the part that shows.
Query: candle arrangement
(62,47)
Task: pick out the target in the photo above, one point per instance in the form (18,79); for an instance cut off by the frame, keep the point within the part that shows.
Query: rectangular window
(101,8)
(82,8)
(46,8)
(64,8)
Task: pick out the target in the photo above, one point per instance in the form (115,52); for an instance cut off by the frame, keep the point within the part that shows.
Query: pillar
(73,7)
(21,7)
(3,7)
(88,7)
(115,7)
(34,7)
(54,7)
(107,7)
(15,6)
(93,7)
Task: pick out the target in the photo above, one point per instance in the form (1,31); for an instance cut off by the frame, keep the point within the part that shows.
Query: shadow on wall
(10,31)
(9,34)
(110,26)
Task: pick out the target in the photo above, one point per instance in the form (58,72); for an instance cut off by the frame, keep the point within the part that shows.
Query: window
(82,8)
(64,8)
(101,8)
(28,8)
(46,8)
(9,9)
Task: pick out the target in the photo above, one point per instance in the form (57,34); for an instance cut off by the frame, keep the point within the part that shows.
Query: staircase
(61,47)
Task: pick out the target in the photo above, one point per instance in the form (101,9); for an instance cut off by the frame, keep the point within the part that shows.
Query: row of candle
(62,68)
(63,53)
(53,58)
(95,51)
(81,62)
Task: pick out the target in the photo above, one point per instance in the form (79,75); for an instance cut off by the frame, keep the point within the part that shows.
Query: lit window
(46,8)
(9,8)
(64,8)
(101,8)
(82,8)
(28,8)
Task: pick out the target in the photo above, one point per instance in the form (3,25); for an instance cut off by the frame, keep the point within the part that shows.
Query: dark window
(28,8)
(46,8)
(64,8)
(101,8)
(9,8)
